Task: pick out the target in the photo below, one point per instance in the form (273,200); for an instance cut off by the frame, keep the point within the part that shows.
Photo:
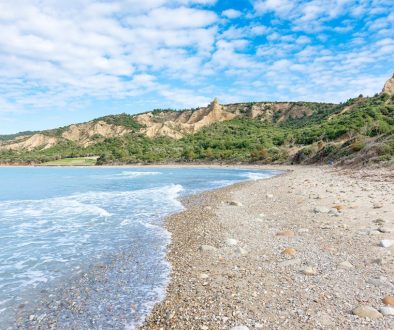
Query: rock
(285,233)
(303,230)
(291,262)
(207,248)
(378,261)
(381,282)
(379,222)
(204,276)
(310,271)
(388,87)
(377,206)
(387,311)
(269,196)
(334,212)
(386,243)
(240,327)
(231,242)
(289,251)
(386,230)
(339,207)
(321,209)
(234,203)
(367,311)
(241,251)
(346,265)
(389,300)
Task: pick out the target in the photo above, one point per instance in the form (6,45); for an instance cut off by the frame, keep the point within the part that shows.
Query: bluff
(358,131)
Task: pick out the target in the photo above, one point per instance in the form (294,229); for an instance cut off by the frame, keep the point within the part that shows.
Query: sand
(299,251)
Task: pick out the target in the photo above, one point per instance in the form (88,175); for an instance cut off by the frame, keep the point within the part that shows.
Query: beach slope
(308,249)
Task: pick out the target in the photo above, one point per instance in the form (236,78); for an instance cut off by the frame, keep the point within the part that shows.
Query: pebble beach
(309,249)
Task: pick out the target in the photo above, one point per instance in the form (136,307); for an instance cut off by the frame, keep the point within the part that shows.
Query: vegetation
(361,127)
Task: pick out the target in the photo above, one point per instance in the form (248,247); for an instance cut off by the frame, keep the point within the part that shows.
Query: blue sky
(71,61)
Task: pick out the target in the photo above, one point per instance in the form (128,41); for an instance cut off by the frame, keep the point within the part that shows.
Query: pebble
(270,196)
(234,203)
(367,311)
(387,311)
(321,209)
(339,207)
(241,251)
(240,327)
(310,271)
(377,206)
(289,251)
(207,248)
(346,265)
(231,242)
(389,300)
(386,243)
(286,233)
(204,276)
(386,230)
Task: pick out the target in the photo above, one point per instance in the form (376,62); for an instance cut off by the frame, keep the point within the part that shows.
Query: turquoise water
(56,221)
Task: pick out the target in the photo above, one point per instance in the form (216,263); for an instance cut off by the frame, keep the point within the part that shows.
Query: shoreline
(73,291)
(228,265)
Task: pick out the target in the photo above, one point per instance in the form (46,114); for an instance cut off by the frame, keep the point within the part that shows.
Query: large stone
(241,251)
(310,271)
(321,209)
(386,243)
(289,251)
(234,203)
(231,242)
(387,311)
(389,300)
(345,265)
(367,312)
(286,233)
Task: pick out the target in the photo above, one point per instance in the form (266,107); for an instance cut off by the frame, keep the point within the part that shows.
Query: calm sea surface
(54,222)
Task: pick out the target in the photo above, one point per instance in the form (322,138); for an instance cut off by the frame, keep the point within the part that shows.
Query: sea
(94,235)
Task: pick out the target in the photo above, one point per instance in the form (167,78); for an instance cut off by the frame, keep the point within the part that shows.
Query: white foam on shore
(254,176)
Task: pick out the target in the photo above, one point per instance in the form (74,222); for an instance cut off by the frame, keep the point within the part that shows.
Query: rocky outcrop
(389,86)
(176,124)
(82,134)
(29,143)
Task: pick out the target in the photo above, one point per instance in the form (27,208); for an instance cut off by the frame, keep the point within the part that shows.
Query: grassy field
(82,161)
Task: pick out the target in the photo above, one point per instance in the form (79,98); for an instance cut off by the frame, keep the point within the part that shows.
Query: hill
(358,131)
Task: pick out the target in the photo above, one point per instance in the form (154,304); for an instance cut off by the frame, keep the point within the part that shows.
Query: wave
(254,176)
(133,174)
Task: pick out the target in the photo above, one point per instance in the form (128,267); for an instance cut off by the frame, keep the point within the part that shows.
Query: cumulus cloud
(62,55)
(231,13)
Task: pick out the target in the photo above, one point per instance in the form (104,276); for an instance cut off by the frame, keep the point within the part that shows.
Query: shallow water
(58,222)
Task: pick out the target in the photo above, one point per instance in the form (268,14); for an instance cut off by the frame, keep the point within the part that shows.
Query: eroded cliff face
(173,124)
(389,86)
(81,134)
(177,124)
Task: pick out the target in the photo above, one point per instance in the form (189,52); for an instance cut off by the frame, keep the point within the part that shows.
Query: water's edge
(71,295)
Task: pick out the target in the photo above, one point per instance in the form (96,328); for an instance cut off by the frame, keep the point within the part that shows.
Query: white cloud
(231,13)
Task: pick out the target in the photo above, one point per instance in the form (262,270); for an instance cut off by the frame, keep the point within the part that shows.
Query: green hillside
(360,130)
